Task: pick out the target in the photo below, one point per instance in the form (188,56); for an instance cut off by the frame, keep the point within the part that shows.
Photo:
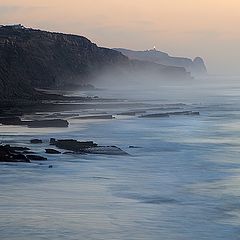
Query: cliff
(196,67)
(39,59)
(33,58)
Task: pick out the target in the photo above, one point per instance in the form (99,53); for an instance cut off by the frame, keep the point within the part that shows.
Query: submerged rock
(19,149)
(11,121)
(69,152)
(56,123)
(106,150)
(63,115)
(131,113)
(155,115)
(52,141)
(36,141)
(95,117)
(36,158)
(184,113)
(90,147)
(72,145)
(35,123)
(52,151)
(168,114)
(28,152)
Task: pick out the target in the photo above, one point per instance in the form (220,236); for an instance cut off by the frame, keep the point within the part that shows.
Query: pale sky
(206,28)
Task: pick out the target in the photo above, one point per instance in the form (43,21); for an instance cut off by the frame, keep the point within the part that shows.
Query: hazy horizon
(185,28)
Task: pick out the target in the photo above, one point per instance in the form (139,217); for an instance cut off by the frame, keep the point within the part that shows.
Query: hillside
(39,59)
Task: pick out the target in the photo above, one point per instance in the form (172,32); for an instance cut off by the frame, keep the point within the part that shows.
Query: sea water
(182,182)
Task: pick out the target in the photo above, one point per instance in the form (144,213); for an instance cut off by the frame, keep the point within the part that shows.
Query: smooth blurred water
(182,184)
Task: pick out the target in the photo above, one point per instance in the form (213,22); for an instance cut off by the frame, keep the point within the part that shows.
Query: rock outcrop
(12,154)
(88,147)
(56,123)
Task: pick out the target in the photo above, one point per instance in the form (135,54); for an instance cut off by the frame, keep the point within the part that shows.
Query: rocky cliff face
(38,59)
(196,67)
(33,58)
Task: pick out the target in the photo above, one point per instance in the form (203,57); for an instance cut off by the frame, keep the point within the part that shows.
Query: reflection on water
(183,182)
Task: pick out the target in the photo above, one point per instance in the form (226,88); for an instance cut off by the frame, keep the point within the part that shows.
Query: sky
(206,28)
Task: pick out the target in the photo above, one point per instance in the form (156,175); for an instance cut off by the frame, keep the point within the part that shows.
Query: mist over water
(182,183)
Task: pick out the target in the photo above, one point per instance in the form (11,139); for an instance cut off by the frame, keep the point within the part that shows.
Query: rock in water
(56,123)
(72,145)
(155,115)
(86,147)
(36,158)
(36,141)
(95,117)
(11,121)
(52,151)
(8,154)
(106,150)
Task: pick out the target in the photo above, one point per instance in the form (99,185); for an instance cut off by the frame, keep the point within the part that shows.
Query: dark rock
(28,152)
(167,114)
(63,115)
(36,158)
(68,153)
(19,157)
(195,113)
(184,113)
(56,123)
(8,154)
(73,145)
(95,117)
(86,147)
(52,151)
(106,150)
(52,141)
(155,115)
(11,121)
(50,166)
(19,149)
(36,141)
(131,113)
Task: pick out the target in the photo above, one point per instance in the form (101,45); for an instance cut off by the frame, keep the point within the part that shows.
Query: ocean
(181,181)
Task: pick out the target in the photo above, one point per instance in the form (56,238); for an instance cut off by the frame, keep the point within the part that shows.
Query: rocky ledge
(86,147)
(12,154)
(17,154)
(59,123)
